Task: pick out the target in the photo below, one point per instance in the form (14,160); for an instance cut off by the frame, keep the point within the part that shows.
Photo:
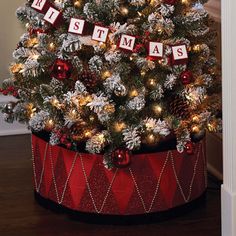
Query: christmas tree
(116,77)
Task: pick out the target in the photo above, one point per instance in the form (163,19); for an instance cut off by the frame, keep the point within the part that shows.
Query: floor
(21,215)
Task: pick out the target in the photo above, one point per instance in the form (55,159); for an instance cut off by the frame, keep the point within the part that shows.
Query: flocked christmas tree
(115,77)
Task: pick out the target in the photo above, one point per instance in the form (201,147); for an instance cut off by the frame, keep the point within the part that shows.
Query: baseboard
(228,200)
(10,129)
(5,99)
(14,132)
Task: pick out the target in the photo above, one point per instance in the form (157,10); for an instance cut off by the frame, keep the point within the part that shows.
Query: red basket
(153,182)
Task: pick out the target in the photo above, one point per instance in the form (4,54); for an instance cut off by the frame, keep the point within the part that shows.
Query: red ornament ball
(170,2)
(37,31)
(61,69)
(189,148)
(121,157)
(186,77)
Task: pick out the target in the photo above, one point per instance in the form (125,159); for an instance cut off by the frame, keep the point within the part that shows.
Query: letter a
(155,49)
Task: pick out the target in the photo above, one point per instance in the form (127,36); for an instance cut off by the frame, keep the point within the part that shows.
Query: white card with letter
(127,42)
(155,49)
(76,26)
(100,33)
(52,15)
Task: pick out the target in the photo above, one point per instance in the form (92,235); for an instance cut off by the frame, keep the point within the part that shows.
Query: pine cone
(180,108)
(89,79)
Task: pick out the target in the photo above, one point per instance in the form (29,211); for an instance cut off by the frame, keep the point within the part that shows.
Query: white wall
(11,30)
(228,195)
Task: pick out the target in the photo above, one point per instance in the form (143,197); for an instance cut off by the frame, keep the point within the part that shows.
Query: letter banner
(100,33)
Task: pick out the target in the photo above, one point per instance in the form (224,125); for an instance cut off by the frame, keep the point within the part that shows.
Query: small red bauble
(69,145)
(189,148)
(15,94)
(5,92)
(186,77)
(37,31)
(121,157)
(61,69)
(170,2)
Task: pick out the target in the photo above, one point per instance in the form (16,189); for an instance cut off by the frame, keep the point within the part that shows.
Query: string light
(49,125)
(72,115)
(16,68)
(140,14)
(151,83)
(151,138)
(78,3)
(52,46)
(124,11)
(73,112)
(85,100)
(119,126)
(88,134)
(212,126)
(27,25)
(159,30)
(106,74)
(102,45)
(110,108)
(101,138)
(186,2)
(195,129)
(153,2)
(56,103)
(157,109)
(32,42)
(91,118)
(197,47)
(113,47)
(143,73)
(151,64)
(195,119)
(31,110)
(133,93)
